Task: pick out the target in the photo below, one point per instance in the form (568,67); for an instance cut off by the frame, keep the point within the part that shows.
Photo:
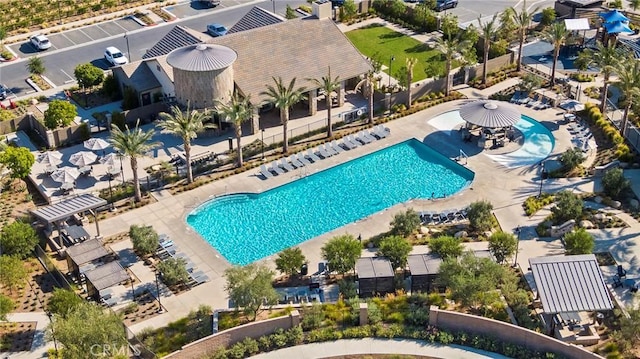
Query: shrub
(480,215)
(312,317)
(568,206)
(446,246)
(347,288)
(533,204)
(144,239)
(572,158)
(173,271)
(578,242)
(615,184)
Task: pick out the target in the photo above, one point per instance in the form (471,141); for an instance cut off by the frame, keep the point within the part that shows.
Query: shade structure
(572,105)
(617,27)
(65,174)
(52,158)
(83,158)
(489,113)
(613,16)
(110,160)
(96,144)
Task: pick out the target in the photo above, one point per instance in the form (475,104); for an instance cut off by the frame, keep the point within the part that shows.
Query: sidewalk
(341,348)
(40,346)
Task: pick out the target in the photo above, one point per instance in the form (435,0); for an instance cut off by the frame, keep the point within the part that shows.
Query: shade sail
(613,16)
(617,27)
(488,113)
(83,158)
(96,144)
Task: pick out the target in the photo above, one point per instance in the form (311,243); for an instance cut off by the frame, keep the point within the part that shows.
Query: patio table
(113,171)
(67,186)
(77,232)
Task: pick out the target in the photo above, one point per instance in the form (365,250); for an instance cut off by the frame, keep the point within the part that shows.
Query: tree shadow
(417,48)
(391,35)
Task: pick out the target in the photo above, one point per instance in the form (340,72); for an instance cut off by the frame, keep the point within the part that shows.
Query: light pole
(390,61)
(543,175)
(515,261)
(126,37)
(262,143)
(110,192)
(53,333)
(121,169)
(158,292)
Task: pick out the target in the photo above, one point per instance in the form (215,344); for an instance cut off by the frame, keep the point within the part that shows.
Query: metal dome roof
(201,57)
(489,113)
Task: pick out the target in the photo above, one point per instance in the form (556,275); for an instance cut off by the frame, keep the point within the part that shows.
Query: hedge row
(595,117)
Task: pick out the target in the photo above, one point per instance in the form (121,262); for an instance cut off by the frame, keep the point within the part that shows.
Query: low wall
(208,345)
(146,114)
(510,333)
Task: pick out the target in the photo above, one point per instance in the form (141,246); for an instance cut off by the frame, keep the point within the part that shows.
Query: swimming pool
(537,145)
(246,227)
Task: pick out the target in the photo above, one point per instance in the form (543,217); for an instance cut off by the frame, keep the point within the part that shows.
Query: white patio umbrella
(96,144)
(83,158)
(65,174)
(572,105)
(52,158)
(111,160)
(490,114)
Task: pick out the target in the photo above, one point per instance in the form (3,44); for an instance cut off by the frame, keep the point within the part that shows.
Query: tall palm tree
(370,82)
(522,20)
(236,111)
(556,34)
(185,125)
(133,143)
(450,48)
(283,97)
(328,85)
(410,63)
(488,30)
(628,81)
(606,57)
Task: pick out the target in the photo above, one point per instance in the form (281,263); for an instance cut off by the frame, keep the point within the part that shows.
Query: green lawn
(386,43)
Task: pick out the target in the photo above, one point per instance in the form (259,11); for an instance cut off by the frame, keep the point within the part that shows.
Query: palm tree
(450,48)
(556,34)
(606,57)
(283,97)
(237,111)
(328,85)
(133,143)
(634,4)
(628,81)
(185,125)
(522,20)
(410,63)
(488,30)
(370,82)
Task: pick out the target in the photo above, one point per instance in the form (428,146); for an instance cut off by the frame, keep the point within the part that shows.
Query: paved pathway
(378,346)
(40,345)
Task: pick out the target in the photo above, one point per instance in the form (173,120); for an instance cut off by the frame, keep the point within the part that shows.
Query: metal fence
(51,268)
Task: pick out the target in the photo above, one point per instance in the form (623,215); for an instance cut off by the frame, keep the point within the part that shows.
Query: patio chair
(336,146)
(617,282)
(294,160)
(353,141)
(364,139)
(275,168)
(265,172)
(303,159)
(347,143)
(323,152)
(330,150)
(286,165)
(621,272)
(312,156)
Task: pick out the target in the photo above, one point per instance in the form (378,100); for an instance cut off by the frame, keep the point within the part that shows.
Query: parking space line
(67,37)
(122,27)
(85,34)
(71,78)
(103,30)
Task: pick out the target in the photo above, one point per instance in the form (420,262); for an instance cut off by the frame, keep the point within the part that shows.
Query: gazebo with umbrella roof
(83,158)
(490,114)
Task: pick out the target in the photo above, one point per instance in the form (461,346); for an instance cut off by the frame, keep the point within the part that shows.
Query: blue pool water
(248,227)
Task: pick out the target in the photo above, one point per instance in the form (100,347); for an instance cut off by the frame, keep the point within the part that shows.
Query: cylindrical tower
(202,74)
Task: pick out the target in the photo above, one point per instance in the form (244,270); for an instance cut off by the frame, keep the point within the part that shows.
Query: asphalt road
(87,44)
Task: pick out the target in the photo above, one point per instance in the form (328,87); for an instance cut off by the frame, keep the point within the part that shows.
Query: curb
(33,85)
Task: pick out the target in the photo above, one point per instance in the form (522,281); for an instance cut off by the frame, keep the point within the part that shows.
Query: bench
(561,230)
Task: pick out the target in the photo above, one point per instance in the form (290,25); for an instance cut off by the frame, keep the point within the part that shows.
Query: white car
(115,56)
(40,42)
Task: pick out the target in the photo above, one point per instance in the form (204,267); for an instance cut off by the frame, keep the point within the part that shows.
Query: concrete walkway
(378,346)
(40,345)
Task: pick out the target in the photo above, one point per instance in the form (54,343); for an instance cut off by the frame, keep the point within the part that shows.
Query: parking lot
(196,8)
(80,36)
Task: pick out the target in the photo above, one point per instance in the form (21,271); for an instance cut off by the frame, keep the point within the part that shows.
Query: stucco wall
(510,333)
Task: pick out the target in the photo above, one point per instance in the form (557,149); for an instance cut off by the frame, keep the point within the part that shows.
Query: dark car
(3,92)
(446,4)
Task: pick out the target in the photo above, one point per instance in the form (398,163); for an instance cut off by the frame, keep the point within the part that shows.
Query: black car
(446,4)
(3,92)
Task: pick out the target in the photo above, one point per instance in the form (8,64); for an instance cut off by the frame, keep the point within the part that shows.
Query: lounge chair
(323,152)
(286,165)
(534,102)
(329,149)
(336,146)
(379,132)
(275,168)
(265,172)
(303,159)
(364,139)
(368,136)
(353,141)
(515,97)
(346,143)
(576,127)
(294,160)
(312,156)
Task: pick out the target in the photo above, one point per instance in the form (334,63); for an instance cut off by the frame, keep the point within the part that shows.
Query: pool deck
(505,188)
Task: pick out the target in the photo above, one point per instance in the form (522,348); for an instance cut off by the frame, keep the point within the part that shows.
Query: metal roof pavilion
(107,275)
(376,267)
(423,264)
(69,207)
(570,284)
(87,251)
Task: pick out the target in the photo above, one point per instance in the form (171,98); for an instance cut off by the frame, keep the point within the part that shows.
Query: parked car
(40,42)
(3,92)
(216,30)
(209,3)
(115,56)
(446,4)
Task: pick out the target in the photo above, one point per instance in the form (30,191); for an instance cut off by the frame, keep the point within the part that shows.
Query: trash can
(304,269)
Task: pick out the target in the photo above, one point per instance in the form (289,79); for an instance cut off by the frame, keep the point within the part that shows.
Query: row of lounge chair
(537,102)
(443,217)
(168,249)
(582,136)
(323,151)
